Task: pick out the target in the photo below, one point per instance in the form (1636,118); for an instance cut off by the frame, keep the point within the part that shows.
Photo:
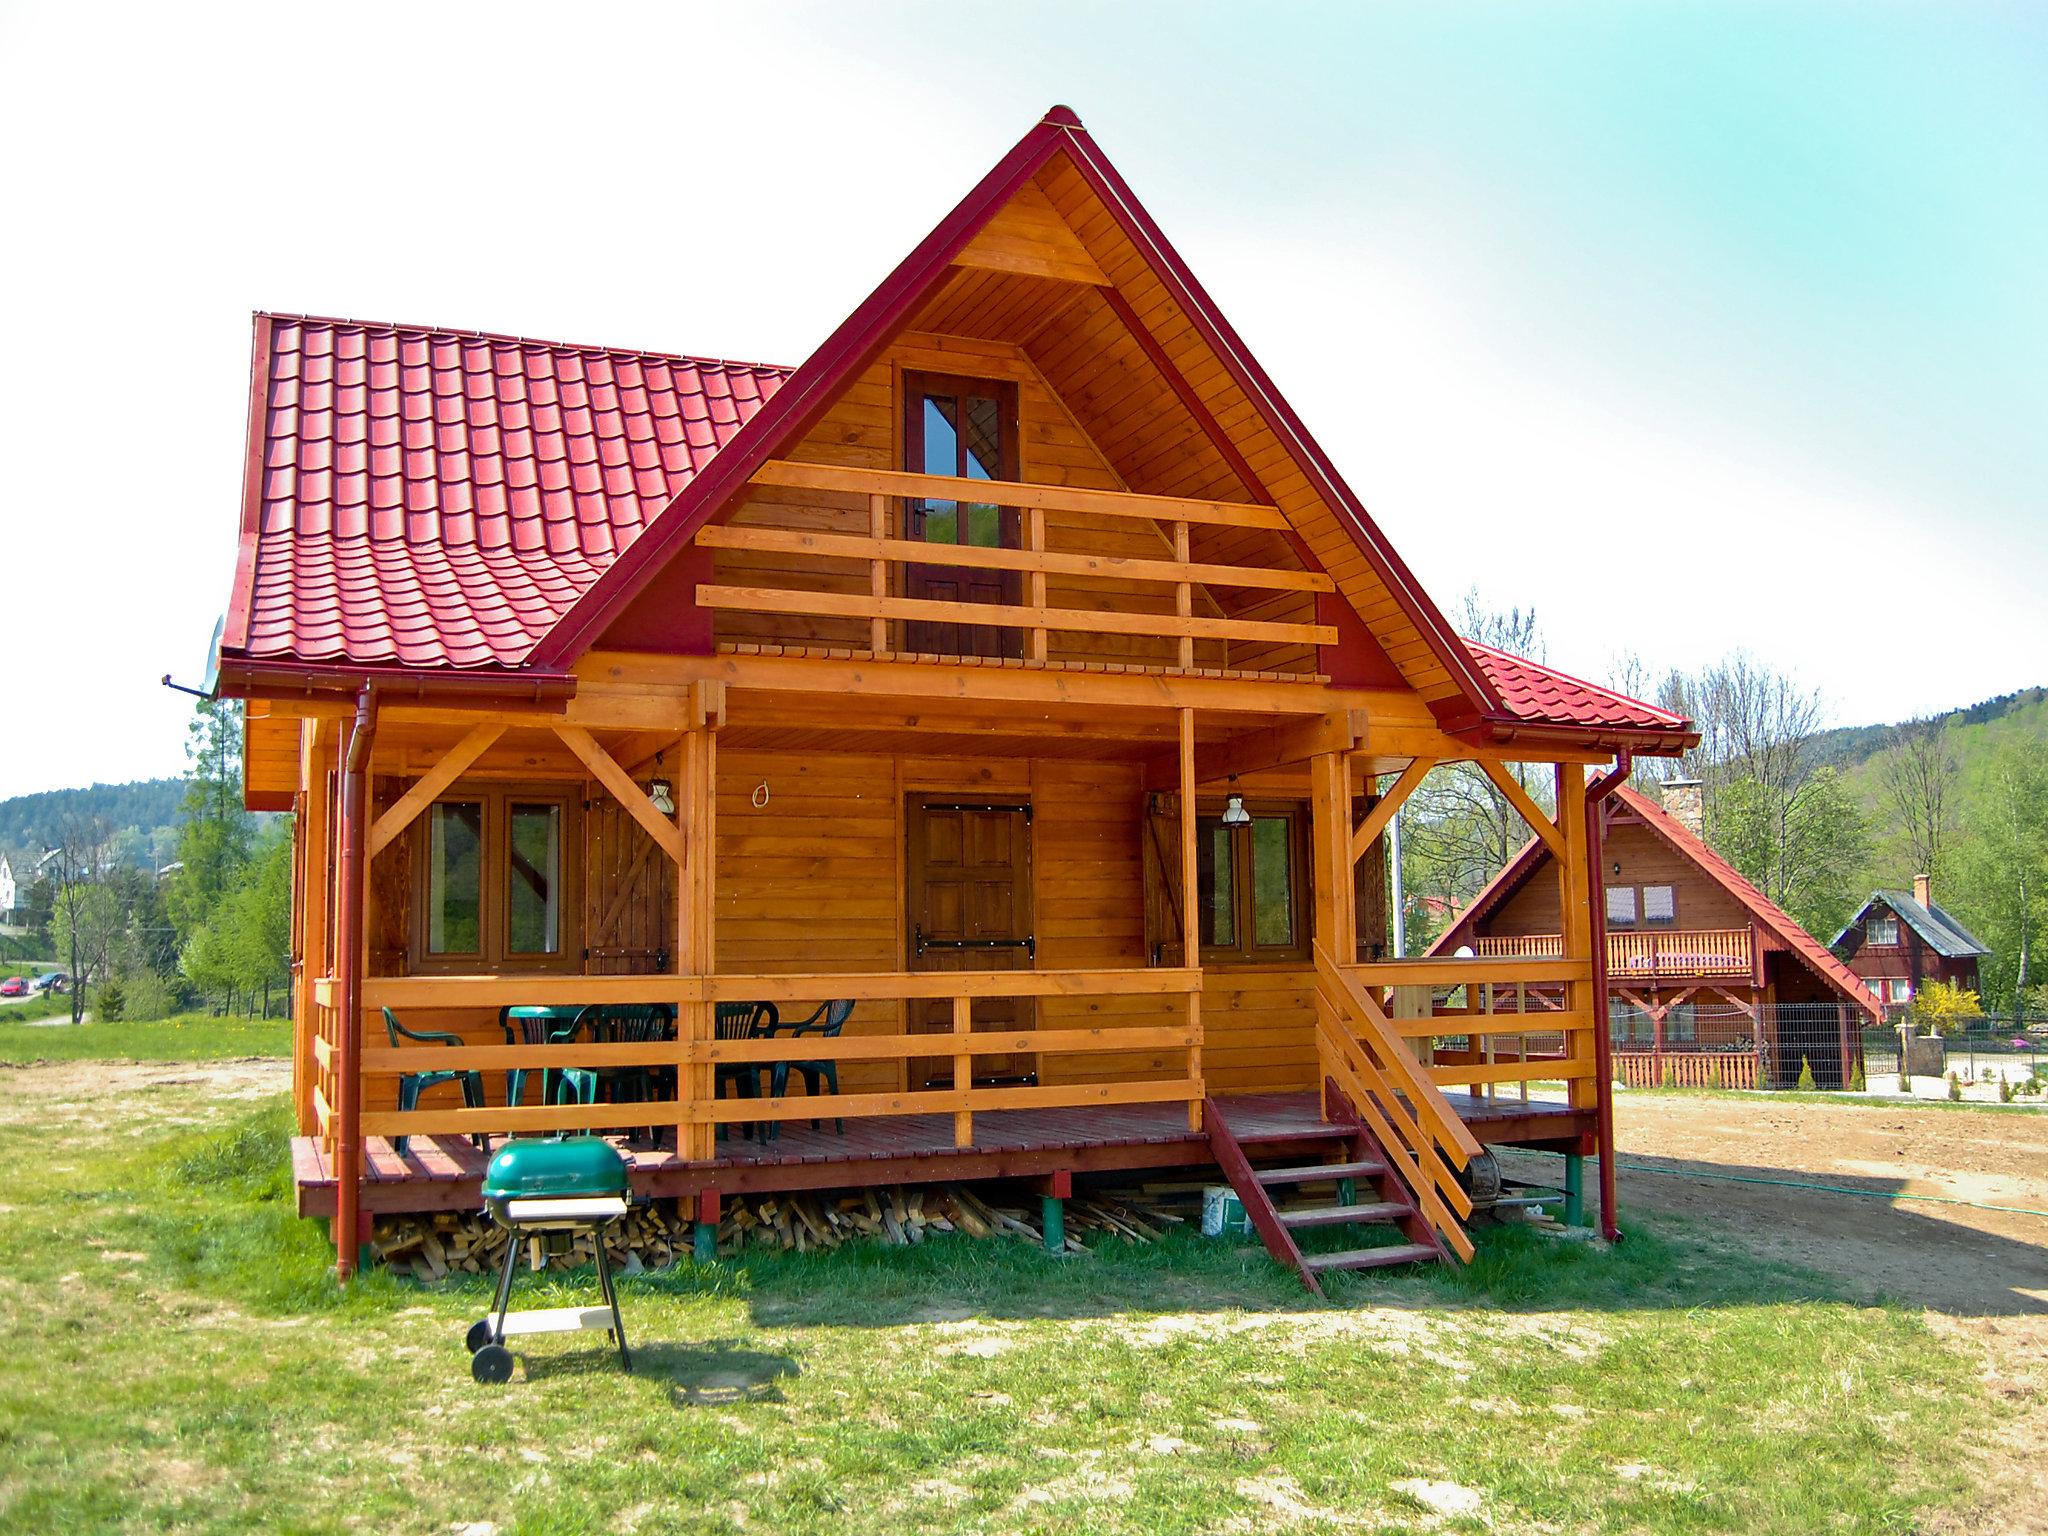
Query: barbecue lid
(579,1165)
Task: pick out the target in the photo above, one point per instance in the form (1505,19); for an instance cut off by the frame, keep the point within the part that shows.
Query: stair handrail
(1392,1056)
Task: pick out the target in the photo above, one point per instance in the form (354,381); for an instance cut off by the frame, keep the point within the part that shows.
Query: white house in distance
(6,889)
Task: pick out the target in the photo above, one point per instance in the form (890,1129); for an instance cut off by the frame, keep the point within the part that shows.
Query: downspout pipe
(1603,1044)
(348,951)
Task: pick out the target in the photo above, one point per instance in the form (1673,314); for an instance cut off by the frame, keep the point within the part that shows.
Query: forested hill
(1848,746)
(147,809)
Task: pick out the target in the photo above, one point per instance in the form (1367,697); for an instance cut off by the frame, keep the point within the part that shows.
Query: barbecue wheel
(479,1335)
(491,1364)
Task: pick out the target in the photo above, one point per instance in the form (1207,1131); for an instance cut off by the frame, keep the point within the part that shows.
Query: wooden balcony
(1643,952)
(856,577)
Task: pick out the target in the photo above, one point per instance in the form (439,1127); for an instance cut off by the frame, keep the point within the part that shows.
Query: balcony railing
(1644,952)
(867,587)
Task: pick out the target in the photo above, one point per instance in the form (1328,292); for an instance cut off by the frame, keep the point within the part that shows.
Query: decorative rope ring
(760,796)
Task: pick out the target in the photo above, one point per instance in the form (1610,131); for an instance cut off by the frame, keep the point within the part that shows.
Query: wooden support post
(1034,581)
(1190,902)
(963,1070)
(1183,594)
(316,760)
(878,573)
(1576,886)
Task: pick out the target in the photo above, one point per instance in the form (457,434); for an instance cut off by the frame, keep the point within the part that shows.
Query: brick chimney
(1685,802)
(1923,890)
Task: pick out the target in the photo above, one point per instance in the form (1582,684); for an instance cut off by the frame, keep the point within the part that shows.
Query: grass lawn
(189,1037)
(178,1360)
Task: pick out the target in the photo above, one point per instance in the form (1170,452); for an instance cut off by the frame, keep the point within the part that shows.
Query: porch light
(659,793)
(1234,813)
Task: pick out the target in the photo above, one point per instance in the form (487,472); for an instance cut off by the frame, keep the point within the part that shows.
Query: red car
(14,986)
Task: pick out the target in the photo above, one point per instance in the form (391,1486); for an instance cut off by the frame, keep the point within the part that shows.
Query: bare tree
(1916,776)
(79,913)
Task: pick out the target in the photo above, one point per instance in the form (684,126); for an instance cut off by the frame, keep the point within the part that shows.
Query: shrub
(2004,1090)
(109,1001)
(1955,1087)
(1943,1006)
(1670,1075)
(1714,1074)
(149,997)
(1856,1083)
(1805,1075)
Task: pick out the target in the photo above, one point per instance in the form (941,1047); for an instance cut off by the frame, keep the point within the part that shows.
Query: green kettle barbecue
(534,1189)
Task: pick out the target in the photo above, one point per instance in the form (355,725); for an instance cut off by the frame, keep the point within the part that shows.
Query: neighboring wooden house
(1708,979)
(918,676)
(1899,943)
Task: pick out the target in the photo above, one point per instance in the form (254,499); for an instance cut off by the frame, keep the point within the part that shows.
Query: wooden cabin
(1898,943)
(1017,669)
(1709,982)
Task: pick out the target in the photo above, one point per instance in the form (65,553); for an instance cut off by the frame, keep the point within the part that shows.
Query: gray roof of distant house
(1943,934)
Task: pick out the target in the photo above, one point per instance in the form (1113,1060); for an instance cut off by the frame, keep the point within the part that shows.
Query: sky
(1694,327)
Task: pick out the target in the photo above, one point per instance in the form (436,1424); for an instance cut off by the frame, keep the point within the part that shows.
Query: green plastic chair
(412,1084)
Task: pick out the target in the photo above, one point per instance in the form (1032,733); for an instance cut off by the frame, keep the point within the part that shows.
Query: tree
(1916,780)
(2003,892)
(1801,847)
(78,919)
(1459,830)
(87,925)
(213,840)
(245,943)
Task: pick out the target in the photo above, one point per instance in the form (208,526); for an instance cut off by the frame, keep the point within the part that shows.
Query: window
(1896,990)
(1252,885)
(493,888)
(1882,932)
(1621,906)
(1660,904)
(966,429)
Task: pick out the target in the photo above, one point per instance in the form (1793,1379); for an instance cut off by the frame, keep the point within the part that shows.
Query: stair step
(1372,1258)
(1315,1173)
(1342,1215)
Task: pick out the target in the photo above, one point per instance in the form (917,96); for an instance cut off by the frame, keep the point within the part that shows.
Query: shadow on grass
(708,1374)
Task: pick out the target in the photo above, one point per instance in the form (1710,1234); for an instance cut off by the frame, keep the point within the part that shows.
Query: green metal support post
(704,1241)
(1053,1210)
(1574,1190)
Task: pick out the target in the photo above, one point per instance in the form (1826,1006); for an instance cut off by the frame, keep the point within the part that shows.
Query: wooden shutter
(629,895)
(1165,944)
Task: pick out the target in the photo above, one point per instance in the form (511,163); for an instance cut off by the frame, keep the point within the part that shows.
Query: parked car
(14,986)
(52,981)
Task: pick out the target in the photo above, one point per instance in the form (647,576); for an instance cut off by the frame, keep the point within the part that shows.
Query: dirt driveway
(1982,1274)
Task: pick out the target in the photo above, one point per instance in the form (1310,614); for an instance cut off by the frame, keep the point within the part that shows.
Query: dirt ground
(1982,1274)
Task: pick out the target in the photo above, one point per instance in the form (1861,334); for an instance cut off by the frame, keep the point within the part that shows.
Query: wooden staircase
(1361,1161)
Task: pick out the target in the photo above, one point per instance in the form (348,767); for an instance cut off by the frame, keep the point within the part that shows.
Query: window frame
(1247,950)
(494,898)
(1643,918)
(1891,927)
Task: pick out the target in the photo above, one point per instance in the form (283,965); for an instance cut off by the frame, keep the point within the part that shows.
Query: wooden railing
(695,1053)
(1497,1004)
(1644,952)
(325,1031)
(883,547)
(1361,1052)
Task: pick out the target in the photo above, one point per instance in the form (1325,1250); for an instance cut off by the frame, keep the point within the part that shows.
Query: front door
(966,428)
(969,897)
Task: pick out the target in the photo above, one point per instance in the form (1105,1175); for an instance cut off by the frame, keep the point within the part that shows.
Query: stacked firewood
(432,1247)
(657,1233)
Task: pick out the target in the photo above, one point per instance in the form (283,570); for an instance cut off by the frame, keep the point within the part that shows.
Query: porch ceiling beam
(1525,806)
(1016,493)
(1368,831)
(605,769)
(430,785)
(1279,746)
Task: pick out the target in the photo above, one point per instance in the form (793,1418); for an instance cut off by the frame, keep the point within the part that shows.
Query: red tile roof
(430,499)
(1773,917)
(1542,695)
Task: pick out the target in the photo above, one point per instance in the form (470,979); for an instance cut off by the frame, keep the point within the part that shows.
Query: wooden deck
(442,1173)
